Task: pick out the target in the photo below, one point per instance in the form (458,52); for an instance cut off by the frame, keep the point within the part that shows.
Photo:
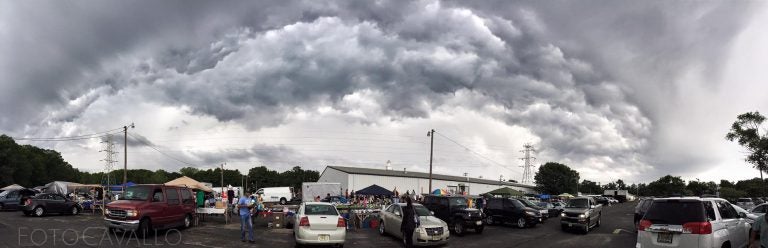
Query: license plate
(323,237)
(664,238)
(570,225)
(478,223)
(436,238)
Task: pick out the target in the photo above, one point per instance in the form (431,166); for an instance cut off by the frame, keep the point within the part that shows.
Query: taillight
(644,224)
(341,223)
(697,227)
(28,202)
(304,221)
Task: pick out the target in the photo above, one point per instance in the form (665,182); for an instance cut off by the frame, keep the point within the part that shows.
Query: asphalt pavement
(86,230)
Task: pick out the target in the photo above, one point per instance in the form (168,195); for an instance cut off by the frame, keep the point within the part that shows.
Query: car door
(593,213)
(156,207)
(740,231)
(174,212)
(397,220)
(510,212)
(57,204)
(730,220)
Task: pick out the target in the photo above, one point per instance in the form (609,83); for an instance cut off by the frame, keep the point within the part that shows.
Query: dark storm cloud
(547,65)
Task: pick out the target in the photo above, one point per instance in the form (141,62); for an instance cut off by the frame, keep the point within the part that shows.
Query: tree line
(32,166)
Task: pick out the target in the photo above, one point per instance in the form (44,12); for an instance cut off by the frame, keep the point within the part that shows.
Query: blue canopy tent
(374,190)
(119,187)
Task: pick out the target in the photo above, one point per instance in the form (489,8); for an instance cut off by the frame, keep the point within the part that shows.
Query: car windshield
(578,203)
(676,212)
(422,211)
(544,204)
(459,202)
(140,193)
(3,194)
(527,203)
(320,210)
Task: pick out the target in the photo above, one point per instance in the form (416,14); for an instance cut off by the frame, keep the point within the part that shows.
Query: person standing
(408,225)
(759,233)
(245,218)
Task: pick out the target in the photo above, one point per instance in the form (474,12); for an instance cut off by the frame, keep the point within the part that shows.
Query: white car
(759,210)
(319,223)
(276,194)
(612,200)
(692,222)
(432,231)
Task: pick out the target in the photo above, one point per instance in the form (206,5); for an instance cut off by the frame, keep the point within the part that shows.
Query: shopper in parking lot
(245,217)
(409,222)
(759,231)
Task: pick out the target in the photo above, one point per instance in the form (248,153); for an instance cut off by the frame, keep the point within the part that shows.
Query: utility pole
(109,159)
(431,135)
(125,158)
(528,167)
(222,180)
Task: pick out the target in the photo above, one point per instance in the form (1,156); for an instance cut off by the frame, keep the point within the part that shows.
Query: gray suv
(582,213)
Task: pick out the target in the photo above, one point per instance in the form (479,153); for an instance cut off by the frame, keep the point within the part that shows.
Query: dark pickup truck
(581,212)
(455,211)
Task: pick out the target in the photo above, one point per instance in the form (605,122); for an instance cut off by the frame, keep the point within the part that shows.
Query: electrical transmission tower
(528,167)
(109,158)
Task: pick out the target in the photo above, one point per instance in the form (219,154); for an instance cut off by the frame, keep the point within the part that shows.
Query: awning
(189,183)
(506,191)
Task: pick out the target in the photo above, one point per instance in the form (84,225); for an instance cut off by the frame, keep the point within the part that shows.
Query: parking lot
(86,230)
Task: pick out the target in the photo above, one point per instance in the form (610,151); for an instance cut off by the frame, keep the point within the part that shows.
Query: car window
(443,202)
(397,211)
(320,210)
(458,202)
(722,208)
(422,211)
(759,209)
(578,203)
(157,195)
(173,196)
(675,212)
(391,208)
(12,194)
(494,204)
(187,196)
(709,210)
(57,197)
(515,204)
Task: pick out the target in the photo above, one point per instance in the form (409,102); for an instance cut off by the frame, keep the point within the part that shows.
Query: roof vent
(404,172)
(389,165)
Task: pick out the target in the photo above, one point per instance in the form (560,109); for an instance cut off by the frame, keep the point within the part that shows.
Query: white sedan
(319,223)
(432,231)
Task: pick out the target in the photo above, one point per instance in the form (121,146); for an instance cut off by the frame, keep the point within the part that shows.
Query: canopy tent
(506,191)
(439,192)
(60,187)
(374,190)
(119,187)
(11,187)
(566,195)
(189,183)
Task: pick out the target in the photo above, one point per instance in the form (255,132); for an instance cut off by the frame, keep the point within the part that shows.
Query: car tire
(382,231)
(283,201)
(520,223)
(457,227)
(145,226)
(489,220)
(187,221)
(39,211)
(479,229)
(74,210)
(586,228)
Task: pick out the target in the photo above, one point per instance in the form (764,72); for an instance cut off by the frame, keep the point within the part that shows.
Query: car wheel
(520,222)
(458,228)
(283,201)
(586,228)
(39,211)
(187,221)
(381,228)
(74,210)
(489,220)
(145,225)
(479,229)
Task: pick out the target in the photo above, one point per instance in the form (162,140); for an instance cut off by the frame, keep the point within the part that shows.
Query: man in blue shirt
(243,204)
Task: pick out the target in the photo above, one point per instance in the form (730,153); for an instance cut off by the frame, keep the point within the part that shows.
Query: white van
(276,194)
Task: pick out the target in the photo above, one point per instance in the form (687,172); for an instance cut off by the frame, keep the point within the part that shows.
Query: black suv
(641,208)
(455,211)
(506,210)
(543,211)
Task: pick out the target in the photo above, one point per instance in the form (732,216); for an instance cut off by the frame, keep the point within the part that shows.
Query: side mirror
(432,212)
(592,206)
(397,213)
(742,215)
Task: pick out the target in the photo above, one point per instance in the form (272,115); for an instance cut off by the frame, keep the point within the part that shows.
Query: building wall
(420,185)
(331,175)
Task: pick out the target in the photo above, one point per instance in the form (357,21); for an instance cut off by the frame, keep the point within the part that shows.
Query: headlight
(530,213)
(582,216)
(562,214)
(107,211)
(131,213)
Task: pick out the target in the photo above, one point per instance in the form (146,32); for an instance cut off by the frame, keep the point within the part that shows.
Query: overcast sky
(615,89)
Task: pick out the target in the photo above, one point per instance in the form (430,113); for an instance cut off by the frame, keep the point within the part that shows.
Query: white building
(352,179)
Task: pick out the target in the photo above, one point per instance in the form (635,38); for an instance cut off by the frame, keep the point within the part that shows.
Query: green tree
(748,131)
(556,178)
(621,185)
(589,187)
(698,188)
(666,186)
(731,194)
(726,183)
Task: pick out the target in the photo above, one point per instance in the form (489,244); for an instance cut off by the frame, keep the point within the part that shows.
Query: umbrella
(506,191)
(439,192)
(566,195)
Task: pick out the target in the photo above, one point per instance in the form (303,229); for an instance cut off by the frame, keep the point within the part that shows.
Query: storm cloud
(586,80)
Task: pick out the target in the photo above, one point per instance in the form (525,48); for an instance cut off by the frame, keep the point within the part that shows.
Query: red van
(144,208)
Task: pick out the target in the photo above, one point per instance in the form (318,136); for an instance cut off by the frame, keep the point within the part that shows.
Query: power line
(161,152)
(69,138)
(474,152)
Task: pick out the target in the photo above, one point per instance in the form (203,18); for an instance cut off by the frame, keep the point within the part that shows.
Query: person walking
(246,225)
(409,223)
(759,233)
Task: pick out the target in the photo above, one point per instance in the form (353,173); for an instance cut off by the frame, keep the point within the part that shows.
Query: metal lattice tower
(528,167)
(109,158)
